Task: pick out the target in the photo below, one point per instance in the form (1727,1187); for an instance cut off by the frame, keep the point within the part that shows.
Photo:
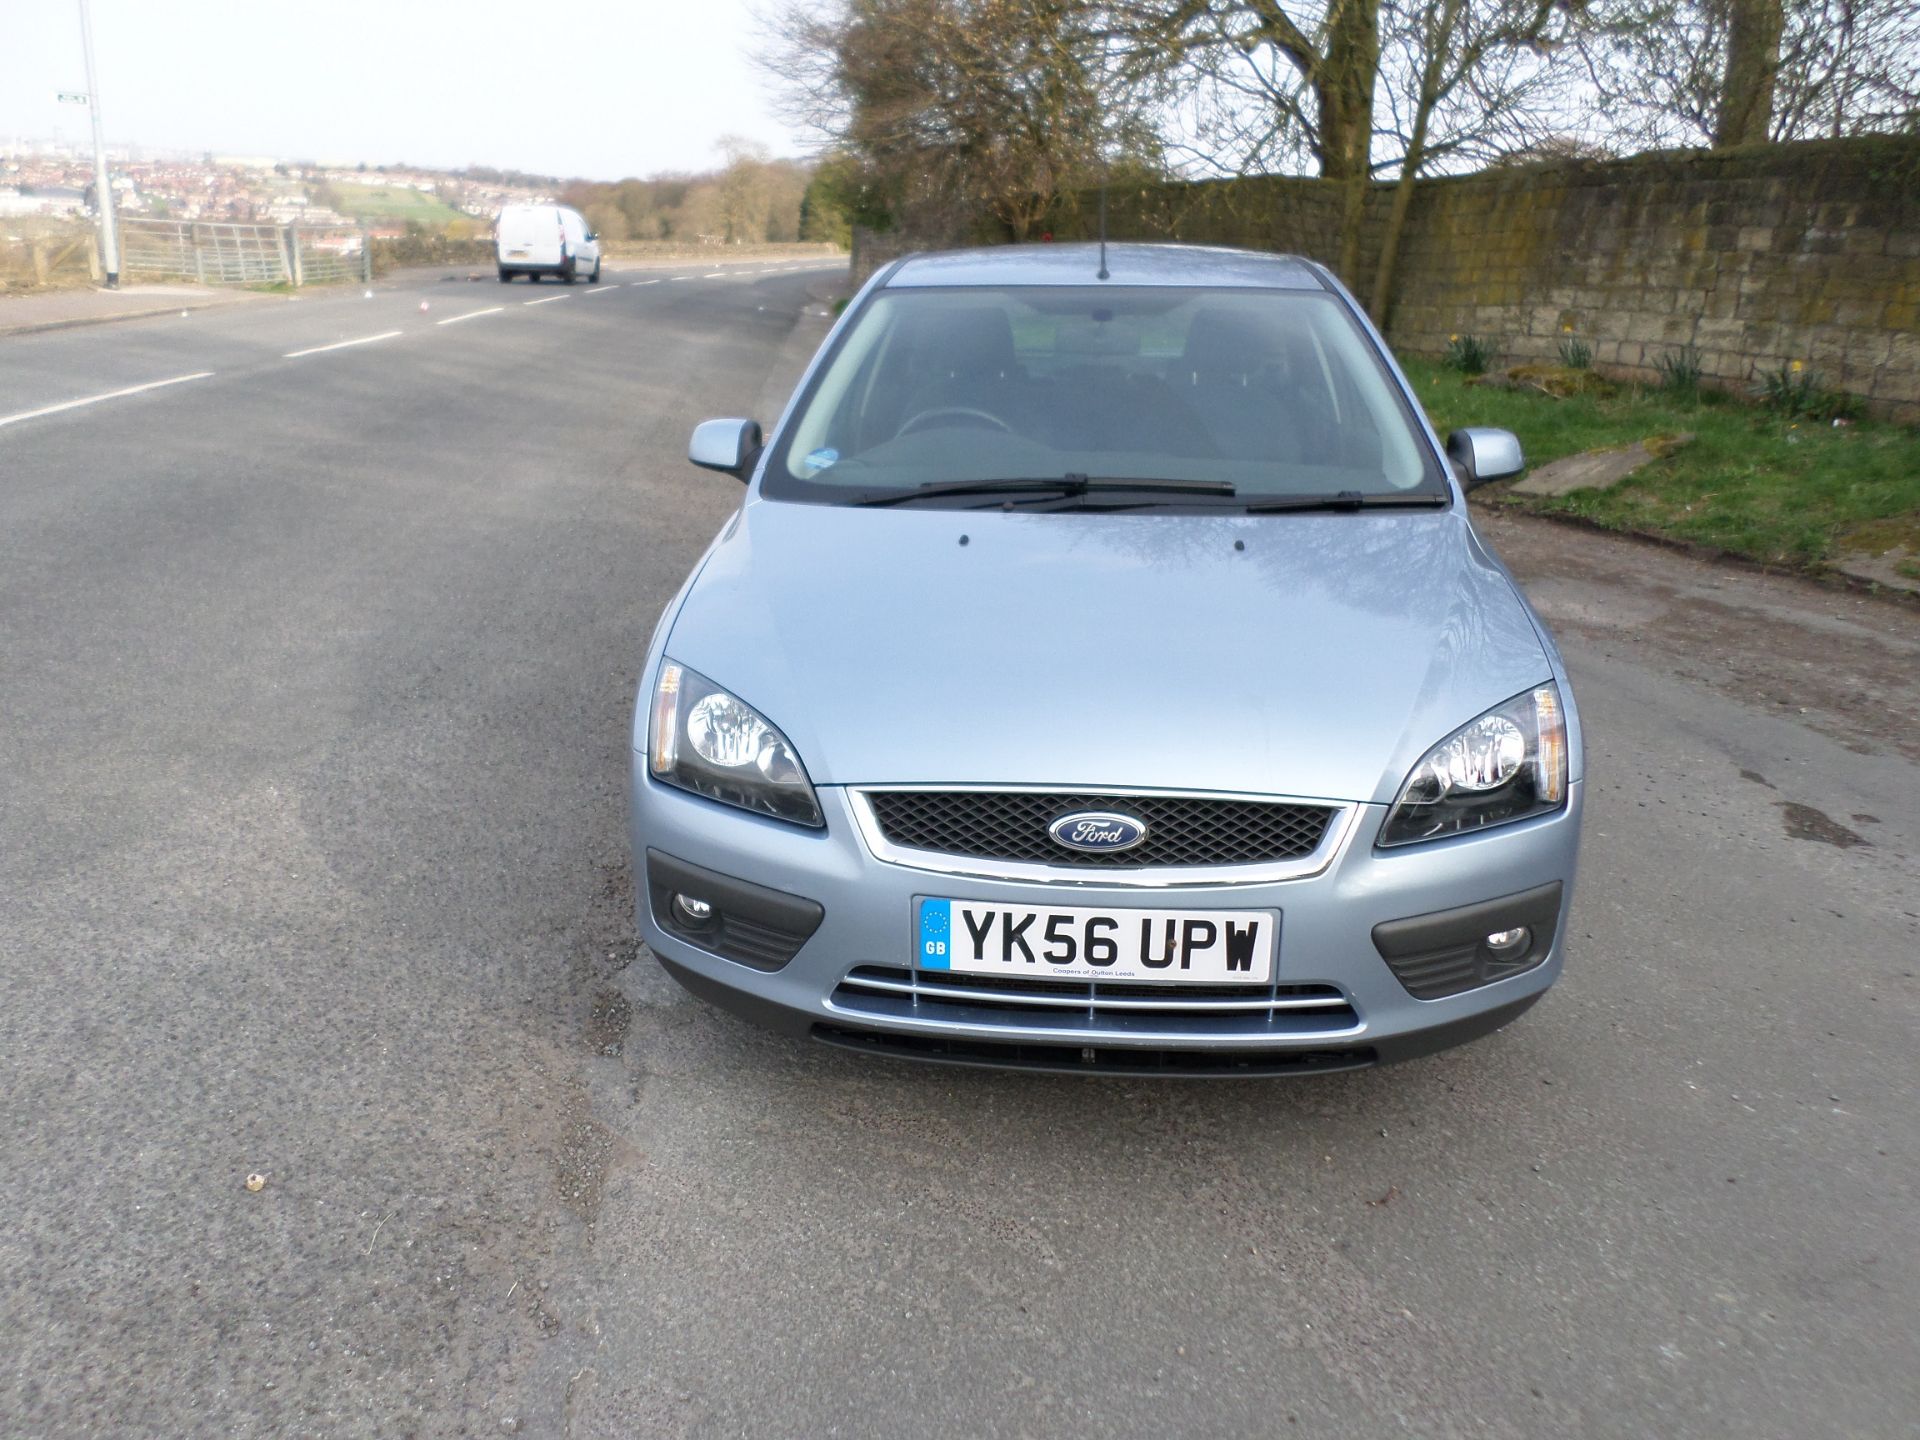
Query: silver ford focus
(1103,674)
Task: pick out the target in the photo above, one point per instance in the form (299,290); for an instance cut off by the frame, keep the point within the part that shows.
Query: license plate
(1188,947)
(516,254)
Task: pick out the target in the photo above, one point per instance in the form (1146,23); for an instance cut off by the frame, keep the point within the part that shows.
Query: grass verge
(393,202)
(1754,483)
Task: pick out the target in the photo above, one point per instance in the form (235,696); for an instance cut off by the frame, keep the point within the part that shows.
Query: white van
(536,240)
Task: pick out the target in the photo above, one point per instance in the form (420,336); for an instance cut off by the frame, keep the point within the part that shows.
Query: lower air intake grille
(1094,1060)
(1182,830)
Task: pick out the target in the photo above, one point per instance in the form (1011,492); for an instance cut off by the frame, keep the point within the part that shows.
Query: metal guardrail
(157,248)
(231,253)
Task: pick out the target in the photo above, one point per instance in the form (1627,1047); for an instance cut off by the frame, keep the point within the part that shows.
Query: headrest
(1224,345)
(975,342)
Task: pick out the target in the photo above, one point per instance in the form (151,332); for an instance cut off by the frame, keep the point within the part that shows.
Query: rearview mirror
(729,446)
(1484,453)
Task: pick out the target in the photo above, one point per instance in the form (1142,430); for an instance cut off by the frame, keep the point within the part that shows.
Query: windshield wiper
(1347,500)
(1049,486)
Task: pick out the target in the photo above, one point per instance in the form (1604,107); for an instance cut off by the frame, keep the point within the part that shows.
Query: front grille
(1264,1012)
(1182,830)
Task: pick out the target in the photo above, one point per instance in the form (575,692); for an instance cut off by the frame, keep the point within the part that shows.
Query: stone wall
(1757,257)
(874,248)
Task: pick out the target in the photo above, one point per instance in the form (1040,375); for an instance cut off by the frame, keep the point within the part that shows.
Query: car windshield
(1216,396)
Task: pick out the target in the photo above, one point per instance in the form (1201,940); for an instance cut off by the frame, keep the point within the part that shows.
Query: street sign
(71,97)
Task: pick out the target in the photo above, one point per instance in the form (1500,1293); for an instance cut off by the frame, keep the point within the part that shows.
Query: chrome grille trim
(1340,823)
(1077,1010)
(869,977)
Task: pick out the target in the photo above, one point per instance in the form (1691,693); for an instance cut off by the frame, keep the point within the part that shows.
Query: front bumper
(1327,942)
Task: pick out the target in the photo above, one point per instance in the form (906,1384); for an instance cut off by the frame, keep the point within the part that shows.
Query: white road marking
(473,314)
(685,277)
(340,345)
(716,275)
(601,289)
(109,395)
(638,283)
(545,300)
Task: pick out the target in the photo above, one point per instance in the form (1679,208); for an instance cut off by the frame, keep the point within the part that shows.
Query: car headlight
(1509,764)
(715,744)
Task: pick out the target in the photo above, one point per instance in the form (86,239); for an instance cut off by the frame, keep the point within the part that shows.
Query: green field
(375,202)
(1783,490)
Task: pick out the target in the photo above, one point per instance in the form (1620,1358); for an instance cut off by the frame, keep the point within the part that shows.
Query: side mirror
(592,236)
(1485,454)
(729,446)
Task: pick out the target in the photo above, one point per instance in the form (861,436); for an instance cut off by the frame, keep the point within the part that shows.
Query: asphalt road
(315,676)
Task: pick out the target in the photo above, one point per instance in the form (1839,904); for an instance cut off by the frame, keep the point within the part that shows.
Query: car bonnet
(1309,655)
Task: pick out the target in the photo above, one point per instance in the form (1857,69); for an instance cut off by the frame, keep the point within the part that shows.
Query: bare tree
(743,190)
(1284,71)
(1848,67)
(1465,80)
(753,198)
(1656,66)
(1673,73)
(998,106)
(607,220)
(1745,112)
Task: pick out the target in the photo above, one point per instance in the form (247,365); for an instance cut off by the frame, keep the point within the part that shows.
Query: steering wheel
(958,412)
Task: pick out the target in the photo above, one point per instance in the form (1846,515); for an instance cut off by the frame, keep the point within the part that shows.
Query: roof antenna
(1103,275)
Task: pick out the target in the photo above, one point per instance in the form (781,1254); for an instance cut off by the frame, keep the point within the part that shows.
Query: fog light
(1505,944)
(694,912)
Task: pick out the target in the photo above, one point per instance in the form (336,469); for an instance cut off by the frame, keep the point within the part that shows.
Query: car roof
(1128,263)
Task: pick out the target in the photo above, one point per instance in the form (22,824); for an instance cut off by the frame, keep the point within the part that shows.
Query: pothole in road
(580,1168)
(585,1151)
(608,1022)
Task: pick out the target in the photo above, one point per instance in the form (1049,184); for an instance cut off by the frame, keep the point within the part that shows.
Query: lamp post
(102,182)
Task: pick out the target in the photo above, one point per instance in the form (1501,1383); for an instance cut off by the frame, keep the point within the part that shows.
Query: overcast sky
(632,88)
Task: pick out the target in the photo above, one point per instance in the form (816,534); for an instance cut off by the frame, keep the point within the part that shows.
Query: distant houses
(56,180)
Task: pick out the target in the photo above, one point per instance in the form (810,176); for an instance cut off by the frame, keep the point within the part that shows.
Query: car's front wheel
(594,278)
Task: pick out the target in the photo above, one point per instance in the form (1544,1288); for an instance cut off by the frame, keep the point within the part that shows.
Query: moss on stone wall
(1756,257)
